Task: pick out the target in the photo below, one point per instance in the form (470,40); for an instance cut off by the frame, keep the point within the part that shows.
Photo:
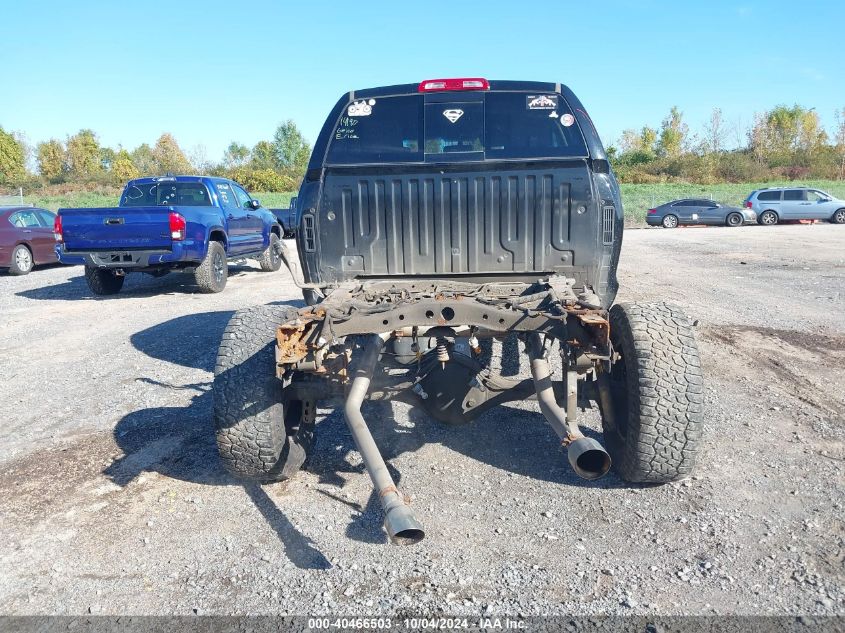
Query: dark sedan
(26,238)
(698,211)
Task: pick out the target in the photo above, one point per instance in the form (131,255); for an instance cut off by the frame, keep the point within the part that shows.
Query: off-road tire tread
(204,274)
(252,438)
(103,282)
(665,396)
(266,259)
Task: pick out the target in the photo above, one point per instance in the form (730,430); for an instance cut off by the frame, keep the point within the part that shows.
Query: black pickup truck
(433,218)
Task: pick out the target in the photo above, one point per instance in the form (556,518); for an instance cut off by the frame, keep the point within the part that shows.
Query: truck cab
(460,178)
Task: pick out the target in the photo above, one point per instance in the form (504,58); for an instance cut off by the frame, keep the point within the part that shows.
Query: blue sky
(211,72)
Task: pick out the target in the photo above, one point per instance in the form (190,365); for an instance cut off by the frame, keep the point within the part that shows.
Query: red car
(26,238)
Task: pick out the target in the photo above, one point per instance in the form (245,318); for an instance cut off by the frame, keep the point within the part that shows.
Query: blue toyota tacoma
(189,223)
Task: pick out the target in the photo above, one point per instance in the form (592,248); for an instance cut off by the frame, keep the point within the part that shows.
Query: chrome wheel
(23,259)
(768,218)
(670,222)
(219,268)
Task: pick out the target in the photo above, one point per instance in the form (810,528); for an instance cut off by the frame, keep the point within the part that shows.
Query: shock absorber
(442,351)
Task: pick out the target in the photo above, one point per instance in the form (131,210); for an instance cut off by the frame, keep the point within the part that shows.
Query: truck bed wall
(527,218)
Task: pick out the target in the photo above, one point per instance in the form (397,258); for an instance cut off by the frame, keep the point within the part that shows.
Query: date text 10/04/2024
(416,623)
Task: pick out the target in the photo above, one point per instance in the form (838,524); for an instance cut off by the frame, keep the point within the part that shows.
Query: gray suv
(798,203)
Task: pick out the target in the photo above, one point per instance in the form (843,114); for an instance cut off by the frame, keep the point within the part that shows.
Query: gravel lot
(114,502)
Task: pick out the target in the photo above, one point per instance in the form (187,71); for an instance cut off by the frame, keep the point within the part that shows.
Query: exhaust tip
(588,458)
(402,527)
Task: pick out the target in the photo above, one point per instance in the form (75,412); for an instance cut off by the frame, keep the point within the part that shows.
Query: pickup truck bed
(190,223)
(116,228)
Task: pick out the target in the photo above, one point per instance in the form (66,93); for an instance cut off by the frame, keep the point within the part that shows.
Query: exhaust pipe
(400,523)
(587,457)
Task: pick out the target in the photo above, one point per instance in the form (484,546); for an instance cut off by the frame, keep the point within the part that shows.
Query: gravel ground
(114,501)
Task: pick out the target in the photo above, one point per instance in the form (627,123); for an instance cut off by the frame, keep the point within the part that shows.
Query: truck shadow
(136,285)
(178,442)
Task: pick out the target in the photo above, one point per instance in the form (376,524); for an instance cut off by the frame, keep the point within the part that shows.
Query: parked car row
(764,206)
(193,224)
(197,224)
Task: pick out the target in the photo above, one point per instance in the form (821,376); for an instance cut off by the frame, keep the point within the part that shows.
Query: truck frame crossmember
(326,348)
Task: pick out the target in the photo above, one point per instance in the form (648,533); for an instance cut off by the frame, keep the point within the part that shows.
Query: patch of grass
(275,200)
(636,199)
(90,199)
(73,199)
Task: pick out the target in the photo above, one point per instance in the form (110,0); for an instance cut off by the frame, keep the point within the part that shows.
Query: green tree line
(277,164)
(784,143)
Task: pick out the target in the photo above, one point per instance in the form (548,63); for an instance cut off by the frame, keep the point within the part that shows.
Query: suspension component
(473,344)
(442,351)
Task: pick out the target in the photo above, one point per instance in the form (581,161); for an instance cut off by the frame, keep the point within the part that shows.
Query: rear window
(153,194)
(379,131)
(47,217)
(469,126)
(768,195)
(24,219)
(454,128)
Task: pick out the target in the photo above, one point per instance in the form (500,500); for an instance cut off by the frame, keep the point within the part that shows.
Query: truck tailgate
(116,228)
(456,220)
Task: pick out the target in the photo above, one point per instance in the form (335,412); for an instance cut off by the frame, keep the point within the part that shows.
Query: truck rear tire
(102,281)
(656,392)
(261,434)
(271,258)
(213,271)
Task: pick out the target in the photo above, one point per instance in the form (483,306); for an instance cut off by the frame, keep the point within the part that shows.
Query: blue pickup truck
(189,223)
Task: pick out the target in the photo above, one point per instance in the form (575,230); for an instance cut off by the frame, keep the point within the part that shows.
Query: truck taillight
(57,229)
(652,211)
(462,83)
(177,227)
